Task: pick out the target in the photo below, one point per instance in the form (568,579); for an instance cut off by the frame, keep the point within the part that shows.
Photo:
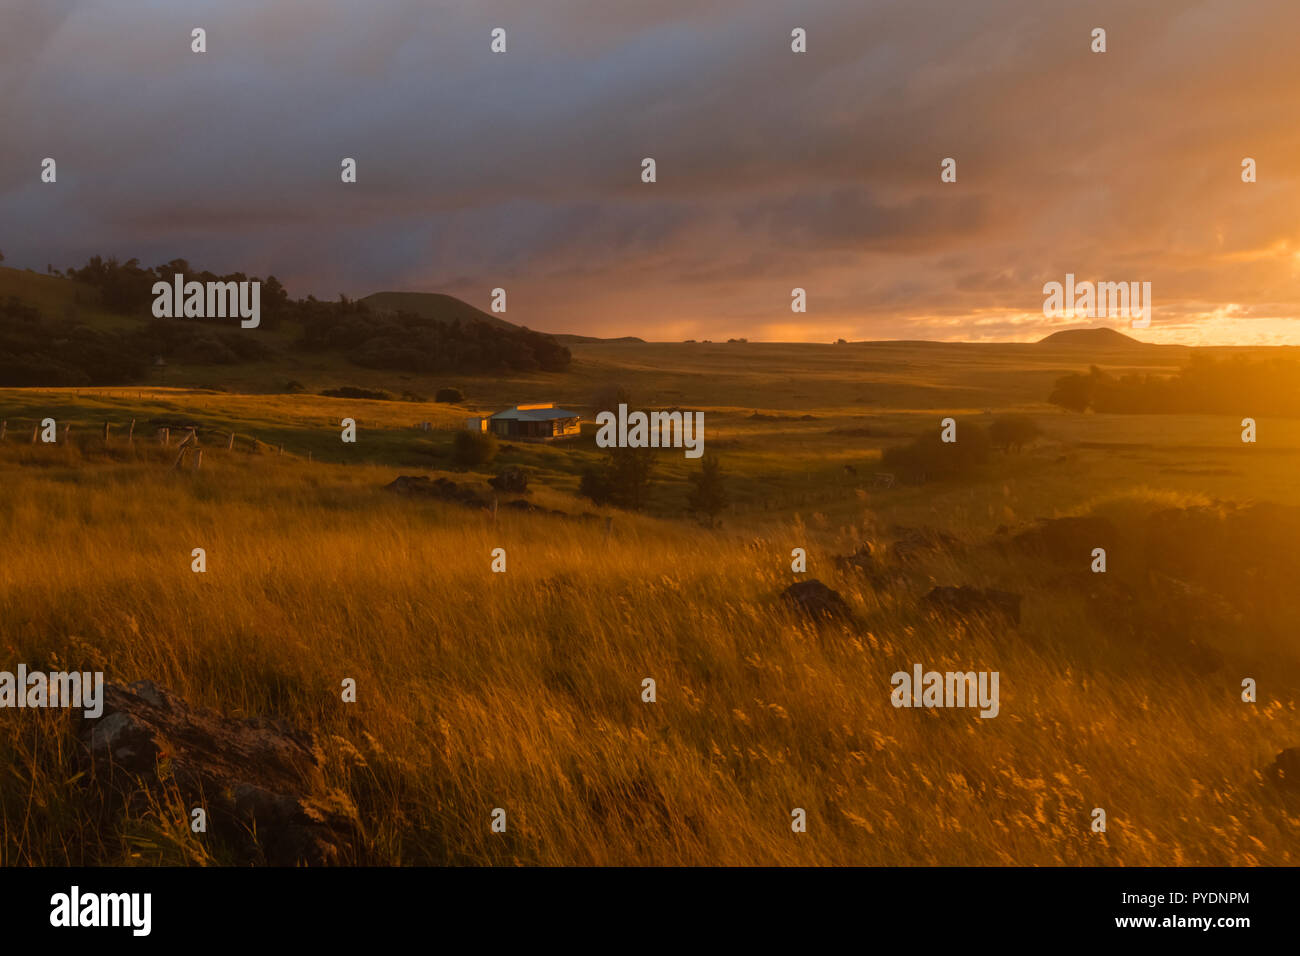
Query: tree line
(43,350)
(1234,385)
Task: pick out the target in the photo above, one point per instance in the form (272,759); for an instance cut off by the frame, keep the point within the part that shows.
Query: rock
(914,543)
(443,489)
(975,602)
(816,600)
(512,480)
(861,560)
(1285,769)
(250,775)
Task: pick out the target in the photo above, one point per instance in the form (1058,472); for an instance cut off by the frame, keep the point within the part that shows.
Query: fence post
(166,436)
(198,459)
(281,449)
(105,433)
(67,432)
(230,444)
(35,429)
(4,427)
(191,438)
(130,435)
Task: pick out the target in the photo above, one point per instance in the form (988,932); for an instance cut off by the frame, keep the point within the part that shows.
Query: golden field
(522,690)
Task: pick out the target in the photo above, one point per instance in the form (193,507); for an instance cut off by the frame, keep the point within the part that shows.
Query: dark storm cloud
(775,170)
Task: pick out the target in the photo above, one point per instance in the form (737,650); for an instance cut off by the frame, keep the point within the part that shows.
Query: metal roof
(526,413)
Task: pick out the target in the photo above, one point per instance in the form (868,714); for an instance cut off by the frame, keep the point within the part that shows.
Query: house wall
(555,428)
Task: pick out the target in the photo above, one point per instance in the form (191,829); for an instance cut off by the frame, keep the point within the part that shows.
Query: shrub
(623,479)
(452,395)
(928,456)
(595,485)
(473,448)
(709,495)
(1012,432)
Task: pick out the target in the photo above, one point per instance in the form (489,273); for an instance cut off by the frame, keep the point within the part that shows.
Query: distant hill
(580,339)
(432,305)
(1096,338)
(446,308)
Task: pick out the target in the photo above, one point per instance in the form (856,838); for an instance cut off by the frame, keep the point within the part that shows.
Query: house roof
(534,413)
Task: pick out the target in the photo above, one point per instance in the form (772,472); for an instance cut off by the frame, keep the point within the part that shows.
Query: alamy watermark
(55,689)
(75,908)
(209,300)
(1096,300)
(675,429)
(946,689)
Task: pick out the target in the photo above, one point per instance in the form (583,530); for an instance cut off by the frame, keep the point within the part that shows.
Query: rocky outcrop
(443,489)
(251,776)
(968,602)
(911,544)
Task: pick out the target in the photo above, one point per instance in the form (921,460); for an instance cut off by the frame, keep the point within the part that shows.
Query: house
(529,423)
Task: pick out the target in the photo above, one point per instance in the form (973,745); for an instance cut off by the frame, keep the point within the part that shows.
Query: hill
(1100,337)
(570,339)
(432,305)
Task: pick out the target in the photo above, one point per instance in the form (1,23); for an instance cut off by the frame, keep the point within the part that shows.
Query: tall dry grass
(522,690)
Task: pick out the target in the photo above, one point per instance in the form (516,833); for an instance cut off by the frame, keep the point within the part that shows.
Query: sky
(774,169)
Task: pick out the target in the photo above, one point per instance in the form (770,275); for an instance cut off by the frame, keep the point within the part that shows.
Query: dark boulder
(816,600)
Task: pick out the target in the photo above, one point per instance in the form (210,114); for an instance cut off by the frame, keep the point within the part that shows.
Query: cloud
(775,170)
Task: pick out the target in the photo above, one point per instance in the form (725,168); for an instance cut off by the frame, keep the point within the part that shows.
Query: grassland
(522,690)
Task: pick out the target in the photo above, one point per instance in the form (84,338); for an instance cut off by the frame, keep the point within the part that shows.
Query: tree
(608,397)
(623,479)
(1073,392)
(453,395)
(594,485)
(708,497)
(629,476)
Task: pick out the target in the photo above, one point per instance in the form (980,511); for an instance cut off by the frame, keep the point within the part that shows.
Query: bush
(1012,432)
(452,395)
(928,456)
(709,495)
(473,448)
(595,485)
(512,480)
(294,387)
(623,479)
